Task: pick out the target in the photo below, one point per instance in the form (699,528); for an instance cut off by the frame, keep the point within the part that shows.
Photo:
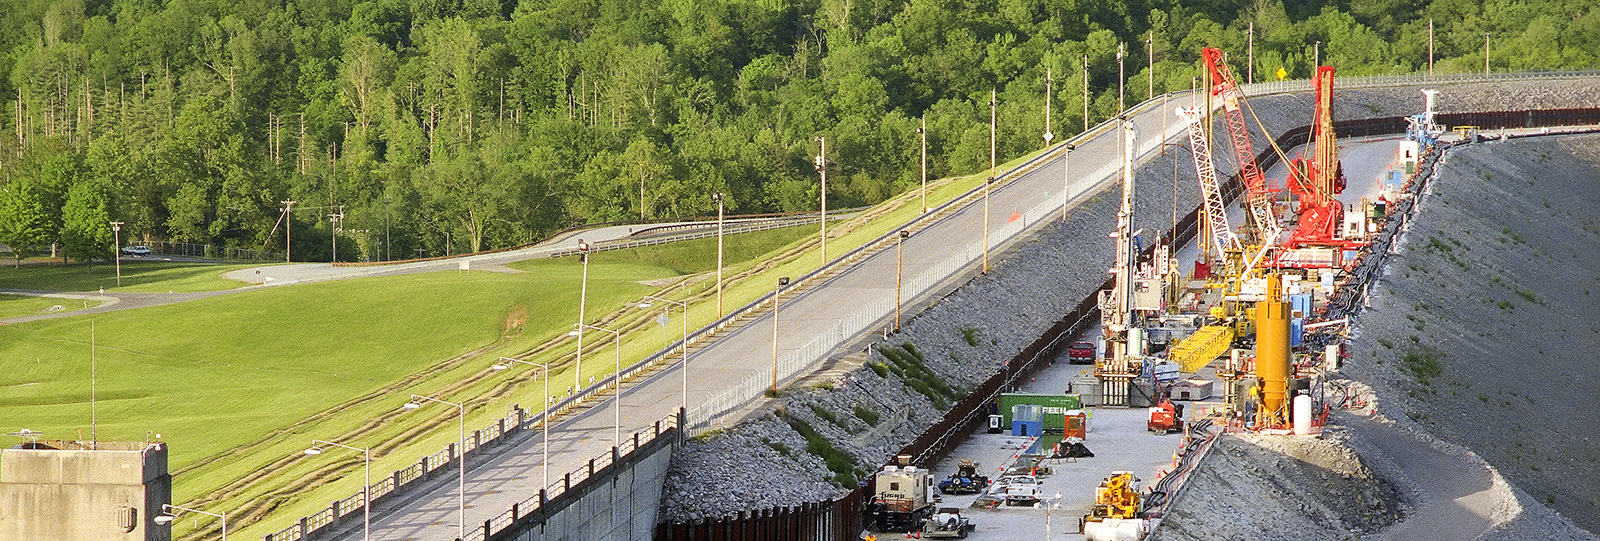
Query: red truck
(1081,353)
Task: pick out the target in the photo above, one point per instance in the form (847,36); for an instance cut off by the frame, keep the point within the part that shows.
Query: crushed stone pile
(1273,487)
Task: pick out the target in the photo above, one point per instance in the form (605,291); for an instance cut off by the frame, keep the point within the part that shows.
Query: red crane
(1260,199)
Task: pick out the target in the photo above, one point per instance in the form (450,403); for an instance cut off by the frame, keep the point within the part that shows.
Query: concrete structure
(620,502)
(81,491)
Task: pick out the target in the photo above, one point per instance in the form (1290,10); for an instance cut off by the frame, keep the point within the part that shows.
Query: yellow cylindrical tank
(1272,346)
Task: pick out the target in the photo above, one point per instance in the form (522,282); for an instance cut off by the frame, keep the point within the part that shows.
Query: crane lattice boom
(1216,213)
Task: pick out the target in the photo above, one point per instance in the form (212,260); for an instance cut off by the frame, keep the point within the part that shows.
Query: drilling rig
(1318,240)
(1120,366)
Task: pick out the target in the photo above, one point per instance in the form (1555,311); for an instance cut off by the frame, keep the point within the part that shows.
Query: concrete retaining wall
(618,503)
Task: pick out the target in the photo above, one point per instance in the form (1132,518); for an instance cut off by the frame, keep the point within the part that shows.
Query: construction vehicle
(1115,515)
(966,480)
(902,497)
(948,522)
(1165,417)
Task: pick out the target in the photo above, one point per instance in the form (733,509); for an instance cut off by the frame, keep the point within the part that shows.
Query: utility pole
(1485,54)
(300,158)
(288,227)
(335,219)
(923,132)
(1316,55)
(1250,55)
(1430,47)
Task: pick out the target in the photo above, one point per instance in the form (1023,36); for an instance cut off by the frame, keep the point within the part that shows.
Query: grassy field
(25,305)
(334,360)
(137,277)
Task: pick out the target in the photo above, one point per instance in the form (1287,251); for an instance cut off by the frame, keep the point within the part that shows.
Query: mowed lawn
(26,305)
(213,374)
(138,276)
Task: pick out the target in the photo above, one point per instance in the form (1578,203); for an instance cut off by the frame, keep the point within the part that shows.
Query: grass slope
(24,305)
(238,382)
(137,277)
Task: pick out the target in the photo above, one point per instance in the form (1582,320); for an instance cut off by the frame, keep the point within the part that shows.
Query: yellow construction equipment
(1199,349)
(1116,497)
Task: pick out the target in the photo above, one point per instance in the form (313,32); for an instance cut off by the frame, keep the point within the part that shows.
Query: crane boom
(1216,212)
(1260,200)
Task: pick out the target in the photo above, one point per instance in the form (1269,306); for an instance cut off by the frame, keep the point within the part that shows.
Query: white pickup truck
(1022,490)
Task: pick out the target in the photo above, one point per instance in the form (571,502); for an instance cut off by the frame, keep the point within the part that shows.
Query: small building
(84,491)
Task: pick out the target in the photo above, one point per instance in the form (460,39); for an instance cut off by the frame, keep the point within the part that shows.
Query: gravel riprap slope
(1485,330)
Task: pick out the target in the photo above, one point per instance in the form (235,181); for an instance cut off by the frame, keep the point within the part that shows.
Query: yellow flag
(1281,73)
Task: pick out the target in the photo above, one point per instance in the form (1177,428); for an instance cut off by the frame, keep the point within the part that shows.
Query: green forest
(467,125)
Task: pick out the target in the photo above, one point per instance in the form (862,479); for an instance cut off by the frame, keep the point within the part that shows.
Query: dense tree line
(491,123)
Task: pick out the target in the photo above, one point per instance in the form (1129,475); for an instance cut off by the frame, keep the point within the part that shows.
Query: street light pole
(583,300)
(366,489)
(776,291)
(116,249)
(1048,80)
(987,182)
(1122,51)
(1250,55)
(822,169)
(1485,54)
(683,345)
(1085,93)
(616,427)
(544,416)
(1316,55)
(167,515)
(1066,175)
(461,453)
(898,266)
(1150,49)
(1430,47)
(718,197)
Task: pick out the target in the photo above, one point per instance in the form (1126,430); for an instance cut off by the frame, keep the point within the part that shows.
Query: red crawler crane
(1260,200)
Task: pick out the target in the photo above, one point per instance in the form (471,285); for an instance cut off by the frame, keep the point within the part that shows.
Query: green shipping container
(1055,406)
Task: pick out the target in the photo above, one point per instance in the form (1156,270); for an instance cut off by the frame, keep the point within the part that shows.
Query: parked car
(1081,353)
(136,250)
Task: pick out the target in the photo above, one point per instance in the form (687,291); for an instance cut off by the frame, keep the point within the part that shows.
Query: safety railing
(730,228)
